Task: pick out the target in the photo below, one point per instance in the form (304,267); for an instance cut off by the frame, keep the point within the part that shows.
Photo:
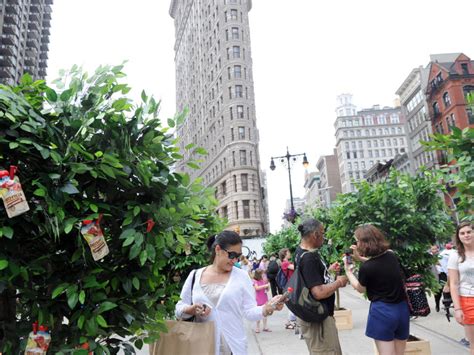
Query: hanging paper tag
(38,342)
(12,194)
(92,232)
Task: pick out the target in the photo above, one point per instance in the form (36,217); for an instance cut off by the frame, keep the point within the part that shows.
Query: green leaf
(134,251)
(136,283)
(80,321)
(58,290)
(51,95)
(136,210)
(82,297)
(7,232)
(143,257)
(69,224)
(66,95)
(101,321)
(106,306)
(128,241)
(171,122)
(72,300)
(39,192)
(3,264)
(13,145)
(69,189)
(93,207)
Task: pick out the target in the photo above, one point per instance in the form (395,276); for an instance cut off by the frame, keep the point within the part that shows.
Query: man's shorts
(388,321)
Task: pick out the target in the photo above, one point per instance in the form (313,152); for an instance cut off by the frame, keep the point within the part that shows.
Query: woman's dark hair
(371,240)
(308,226)
(459,245)
(224,239)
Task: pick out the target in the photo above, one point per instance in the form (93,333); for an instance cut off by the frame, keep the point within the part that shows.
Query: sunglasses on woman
(233,254)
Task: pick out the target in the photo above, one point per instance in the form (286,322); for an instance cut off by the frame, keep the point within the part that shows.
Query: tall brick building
(451,78)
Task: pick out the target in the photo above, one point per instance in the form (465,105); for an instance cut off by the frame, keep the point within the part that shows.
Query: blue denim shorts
(388,321)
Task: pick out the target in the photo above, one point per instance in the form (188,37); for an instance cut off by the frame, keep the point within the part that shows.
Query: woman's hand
(355,254)
(198,309)
(459,316)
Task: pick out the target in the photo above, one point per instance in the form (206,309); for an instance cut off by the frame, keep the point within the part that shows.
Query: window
(464,69)
(349,166)
(236,52)
(395,118)
(435,108)
(241,132)
(231,109)
(245,182)
(246,205)
(233,158)
(238,91)
(362,164)
(376,143)
(235,33)
(232,134)
(236,209)
(233,14)
(347,145)
(237,71)
(243,157)
(382,152)
(369,144)
(235,183)
(446,99)
(450,122)
(224,188)
(240,111)
(225,212)
(402,142)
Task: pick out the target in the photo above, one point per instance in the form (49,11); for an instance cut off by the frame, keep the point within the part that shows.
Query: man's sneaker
(464,342)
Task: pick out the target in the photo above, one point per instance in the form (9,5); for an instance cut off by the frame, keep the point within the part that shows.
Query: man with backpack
(321,336)
(272,271)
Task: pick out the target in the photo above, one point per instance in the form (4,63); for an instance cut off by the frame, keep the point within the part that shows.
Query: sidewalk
(443,336)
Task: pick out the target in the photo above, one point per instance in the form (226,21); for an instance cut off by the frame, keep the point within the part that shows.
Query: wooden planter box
(343,319)
(415,346)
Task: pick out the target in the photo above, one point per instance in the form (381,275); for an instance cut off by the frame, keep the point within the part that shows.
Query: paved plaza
(444,336)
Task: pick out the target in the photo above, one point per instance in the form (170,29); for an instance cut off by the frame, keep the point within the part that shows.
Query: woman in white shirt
(461,279)
(224,294)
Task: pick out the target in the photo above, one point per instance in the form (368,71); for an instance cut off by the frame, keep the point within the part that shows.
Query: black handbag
(416,296)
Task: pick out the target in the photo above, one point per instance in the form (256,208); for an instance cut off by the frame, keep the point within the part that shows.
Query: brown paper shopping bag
(185,338)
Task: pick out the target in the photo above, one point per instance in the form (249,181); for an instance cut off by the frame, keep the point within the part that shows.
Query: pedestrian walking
(272,272)
(223,294)
(461,279)
(261,286)
(321,338)
(287,269)
(381,276)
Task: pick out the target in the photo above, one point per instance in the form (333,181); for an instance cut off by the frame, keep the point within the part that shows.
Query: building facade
(450,81)
(24,39)
(366,137)
(214,82)
(329,179)
(418,124)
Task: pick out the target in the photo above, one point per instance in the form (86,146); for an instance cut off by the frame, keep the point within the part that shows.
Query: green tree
(459,173)
(82,151)
(409,210)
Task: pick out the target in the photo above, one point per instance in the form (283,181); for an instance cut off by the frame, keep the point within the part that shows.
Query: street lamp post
(287,157)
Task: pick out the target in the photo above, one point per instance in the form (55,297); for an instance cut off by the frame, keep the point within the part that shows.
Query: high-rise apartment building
(24,39)
(214,82)
(366,137)
(418,125)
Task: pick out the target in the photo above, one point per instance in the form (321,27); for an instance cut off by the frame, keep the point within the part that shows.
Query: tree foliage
(459,172)
(409,210)
(83,150)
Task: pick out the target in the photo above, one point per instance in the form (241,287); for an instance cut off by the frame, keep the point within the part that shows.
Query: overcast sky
(305,53)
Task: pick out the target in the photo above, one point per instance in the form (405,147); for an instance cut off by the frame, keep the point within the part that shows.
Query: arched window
(446,99)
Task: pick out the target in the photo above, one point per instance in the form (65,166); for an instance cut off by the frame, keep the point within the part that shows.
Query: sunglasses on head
(233,254)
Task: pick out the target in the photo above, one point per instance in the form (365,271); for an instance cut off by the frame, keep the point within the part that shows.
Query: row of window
(390,153)
(450,123)
(243,213)
(244,184)
(417,119)
(368,120)
(373,132)
(240,133)
(243,157)
(374,143)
